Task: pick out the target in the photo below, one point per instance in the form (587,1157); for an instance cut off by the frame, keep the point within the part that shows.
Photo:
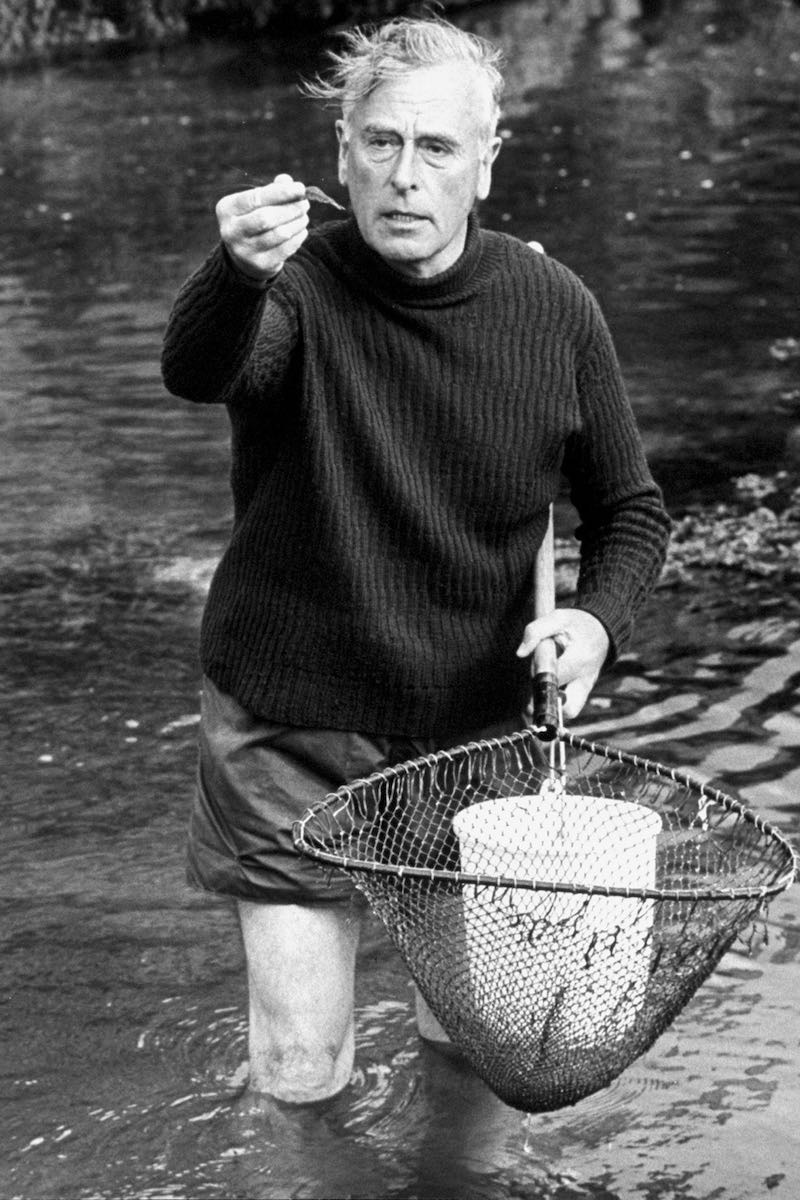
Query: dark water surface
(661,163)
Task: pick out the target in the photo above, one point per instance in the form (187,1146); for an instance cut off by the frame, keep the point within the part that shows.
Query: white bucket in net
(578,964)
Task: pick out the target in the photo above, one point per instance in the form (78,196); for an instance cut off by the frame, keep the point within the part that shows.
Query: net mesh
(555,915)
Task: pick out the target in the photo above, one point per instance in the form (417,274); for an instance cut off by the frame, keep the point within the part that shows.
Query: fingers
(258,236)
(265,219)
(264,226)
(576,632)
(575,695)
(551,626)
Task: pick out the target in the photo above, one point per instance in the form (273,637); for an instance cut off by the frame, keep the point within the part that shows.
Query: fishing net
(556,912)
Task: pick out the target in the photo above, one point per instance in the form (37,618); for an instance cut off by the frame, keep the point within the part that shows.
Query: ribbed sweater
(396,443)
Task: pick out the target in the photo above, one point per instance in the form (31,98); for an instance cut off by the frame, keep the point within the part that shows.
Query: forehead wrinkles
(415,118)
(443,100)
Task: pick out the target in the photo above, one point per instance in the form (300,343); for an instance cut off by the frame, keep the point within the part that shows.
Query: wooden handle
(545,656)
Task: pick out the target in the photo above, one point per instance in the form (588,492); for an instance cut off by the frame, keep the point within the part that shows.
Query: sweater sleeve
(227,340)
(624,527)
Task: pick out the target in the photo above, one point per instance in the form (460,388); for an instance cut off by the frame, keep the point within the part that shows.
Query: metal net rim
(357,866)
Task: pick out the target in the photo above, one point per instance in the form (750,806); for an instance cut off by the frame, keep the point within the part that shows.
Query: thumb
(550,626)
(283,190)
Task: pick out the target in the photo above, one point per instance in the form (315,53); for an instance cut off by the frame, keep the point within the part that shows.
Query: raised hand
(264,226)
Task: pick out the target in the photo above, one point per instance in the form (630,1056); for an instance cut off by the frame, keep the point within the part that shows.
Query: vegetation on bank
(749,541)
(45,30)
(42,31)
(756,535)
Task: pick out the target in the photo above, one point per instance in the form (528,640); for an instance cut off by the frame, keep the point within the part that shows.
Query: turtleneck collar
(377,275)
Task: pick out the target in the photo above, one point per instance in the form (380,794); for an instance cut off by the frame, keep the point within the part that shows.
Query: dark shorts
(256,778)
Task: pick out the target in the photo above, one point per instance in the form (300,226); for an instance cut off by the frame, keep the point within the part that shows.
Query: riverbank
(748,543)
(49,31)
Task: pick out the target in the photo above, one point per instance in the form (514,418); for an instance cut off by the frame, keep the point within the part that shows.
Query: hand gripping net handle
(319,837)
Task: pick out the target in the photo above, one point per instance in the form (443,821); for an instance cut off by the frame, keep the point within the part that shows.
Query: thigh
(255,779)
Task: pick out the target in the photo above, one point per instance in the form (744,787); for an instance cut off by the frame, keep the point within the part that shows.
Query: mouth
(397,217)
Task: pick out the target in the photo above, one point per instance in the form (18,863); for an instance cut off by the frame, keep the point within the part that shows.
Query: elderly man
(406,392)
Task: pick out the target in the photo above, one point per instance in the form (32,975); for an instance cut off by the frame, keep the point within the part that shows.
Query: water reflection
(654,159)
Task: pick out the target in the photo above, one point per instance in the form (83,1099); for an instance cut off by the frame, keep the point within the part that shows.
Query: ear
(485,170)
(344,145)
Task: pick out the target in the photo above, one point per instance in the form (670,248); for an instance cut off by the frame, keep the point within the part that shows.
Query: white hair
(373,56)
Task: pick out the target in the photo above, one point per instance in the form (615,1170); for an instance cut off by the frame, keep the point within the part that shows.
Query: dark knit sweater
(395,445)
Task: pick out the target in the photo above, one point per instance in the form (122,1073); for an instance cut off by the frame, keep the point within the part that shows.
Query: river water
(660,161)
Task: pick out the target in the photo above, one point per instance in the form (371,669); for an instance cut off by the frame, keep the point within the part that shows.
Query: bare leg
(301,971)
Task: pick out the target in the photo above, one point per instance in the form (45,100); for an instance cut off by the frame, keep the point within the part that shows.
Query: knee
(300,1070)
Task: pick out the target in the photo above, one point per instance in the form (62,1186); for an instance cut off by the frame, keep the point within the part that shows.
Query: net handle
(545,656)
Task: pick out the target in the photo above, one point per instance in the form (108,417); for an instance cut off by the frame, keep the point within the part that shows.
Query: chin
(406,247)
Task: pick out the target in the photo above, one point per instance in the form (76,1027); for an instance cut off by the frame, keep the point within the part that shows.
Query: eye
(435,151)
(381,141)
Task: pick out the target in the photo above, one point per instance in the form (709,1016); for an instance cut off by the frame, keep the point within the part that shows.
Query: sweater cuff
(235,272)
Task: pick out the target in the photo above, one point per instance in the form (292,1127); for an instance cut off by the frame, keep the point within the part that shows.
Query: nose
(405,165)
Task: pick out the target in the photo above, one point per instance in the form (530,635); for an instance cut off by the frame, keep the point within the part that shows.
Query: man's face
(415,155)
